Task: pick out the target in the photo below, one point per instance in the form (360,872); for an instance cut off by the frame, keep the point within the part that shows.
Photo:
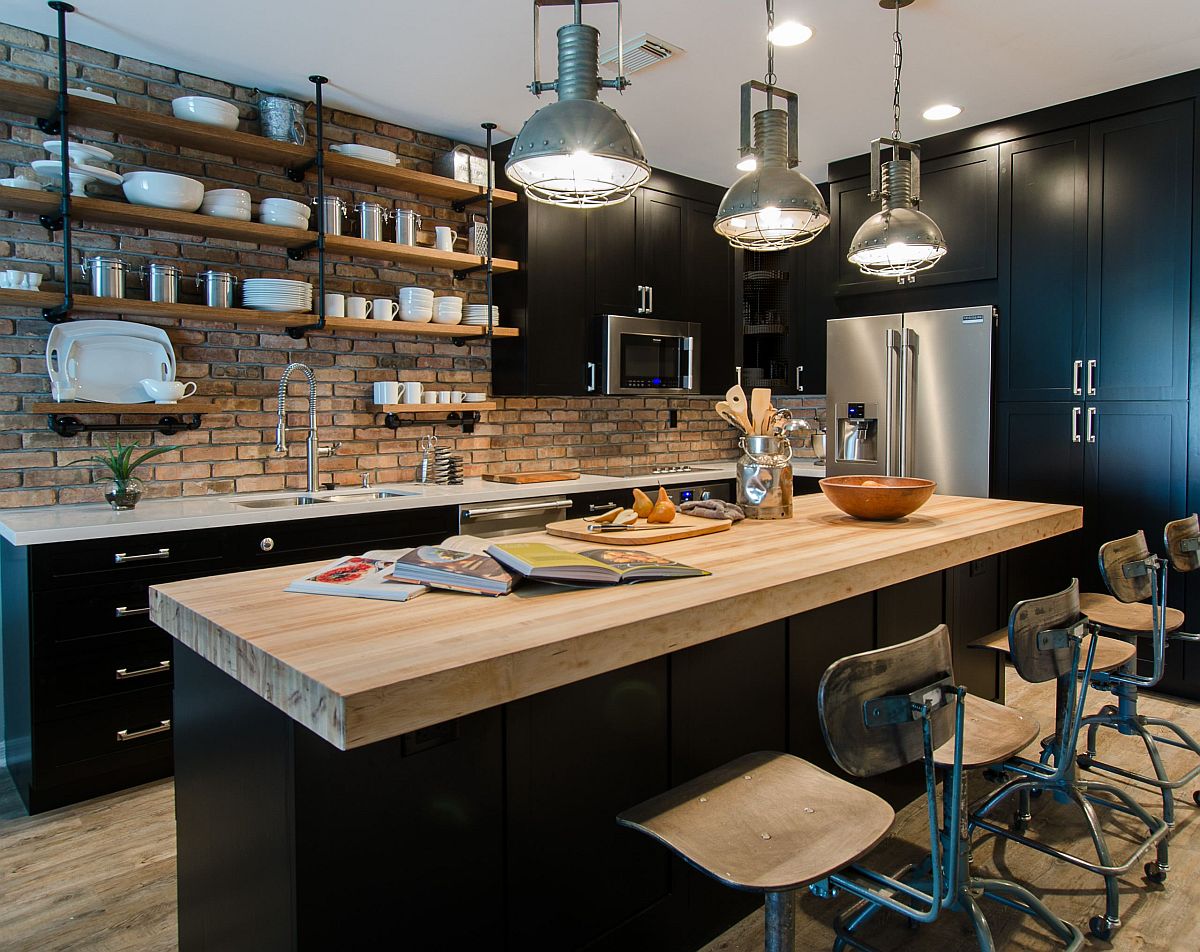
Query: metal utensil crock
(281,119)
(107,275)
(218,287)
(162,281)
(764,477)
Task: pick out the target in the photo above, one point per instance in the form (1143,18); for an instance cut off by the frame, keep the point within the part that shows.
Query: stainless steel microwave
(644,355)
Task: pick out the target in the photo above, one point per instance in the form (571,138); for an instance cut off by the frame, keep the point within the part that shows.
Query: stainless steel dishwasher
(489,519)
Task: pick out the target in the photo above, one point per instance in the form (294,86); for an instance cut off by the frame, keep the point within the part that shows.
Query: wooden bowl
(877,498)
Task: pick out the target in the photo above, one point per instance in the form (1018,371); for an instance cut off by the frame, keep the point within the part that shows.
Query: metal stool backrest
(1033,662)
(1115,556)
(862,750)
(1182,538)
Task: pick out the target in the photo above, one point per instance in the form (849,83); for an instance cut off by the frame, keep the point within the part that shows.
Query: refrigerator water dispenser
(857,433)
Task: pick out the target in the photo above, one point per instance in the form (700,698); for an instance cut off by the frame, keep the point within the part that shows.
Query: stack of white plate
(284,212)
(277,294)
(447,310)
(476,315)
(366,152)
(226,203)
(416,305)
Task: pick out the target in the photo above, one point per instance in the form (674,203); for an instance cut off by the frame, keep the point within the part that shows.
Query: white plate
(90,93)
(88,153)
(367,152)
(275,283)
(103,361)
(282,308)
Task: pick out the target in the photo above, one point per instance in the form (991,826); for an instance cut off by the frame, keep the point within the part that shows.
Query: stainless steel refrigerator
(911,395)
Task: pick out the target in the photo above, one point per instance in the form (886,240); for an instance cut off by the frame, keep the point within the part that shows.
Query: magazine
(549,563)
(359,576)
(454,569)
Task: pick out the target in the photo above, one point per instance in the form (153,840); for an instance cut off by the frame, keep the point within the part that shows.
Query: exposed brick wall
(241,366)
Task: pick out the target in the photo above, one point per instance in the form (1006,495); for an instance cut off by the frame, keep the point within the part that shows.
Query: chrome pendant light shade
(577,152)
(900,240)
(773,206)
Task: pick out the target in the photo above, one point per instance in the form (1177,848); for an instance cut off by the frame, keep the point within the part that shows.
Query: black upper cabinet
(708,296)
(613,268)
(662,238)
(958,192)
(1043,265)
(1139,261)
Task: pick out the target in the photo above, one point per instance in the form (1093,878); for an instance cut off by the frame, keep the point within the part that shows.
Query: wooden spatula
(731,416)
(760,409)
(735,396)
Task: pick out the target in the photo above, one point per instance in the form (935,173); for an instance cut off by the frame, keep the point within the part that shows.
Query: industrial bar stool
(1132,574)
(1046,638)
(773,823)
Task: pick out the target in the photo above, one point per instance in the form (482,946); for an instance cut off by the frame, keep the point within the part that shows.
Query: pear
(663,510)
(642,504)
(606,517)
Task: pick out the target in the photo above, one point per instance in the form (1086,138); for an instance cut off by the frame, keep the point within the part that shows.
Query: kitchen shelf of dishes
(414,396)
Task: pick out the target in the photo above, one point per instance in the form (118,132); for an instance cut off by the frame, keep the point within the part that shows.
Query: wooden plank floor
(101,875)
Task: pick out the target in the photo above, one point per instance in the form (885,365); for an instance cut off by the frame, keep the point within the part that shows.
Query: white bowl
(227,196)
(205,110)
(283,219)
(440,317)
(287,206)
(227,211)
(416,317)
(80,152)
(163,190)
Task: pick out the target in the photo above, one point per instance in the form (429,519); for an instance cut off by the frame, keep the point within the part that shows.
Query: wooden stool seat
(1111,653)
(1136,618)
(992,733)
(766,821)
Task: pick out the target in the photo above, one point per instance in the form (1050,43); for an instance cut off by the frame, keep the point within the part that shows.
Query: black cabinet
(708,296)
(958,191)
(663,226)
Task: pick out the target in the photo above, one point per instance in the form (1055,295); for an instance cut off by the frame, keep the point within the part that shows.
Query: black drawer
(151,557)
(102,666)
(84,612)
(127,730)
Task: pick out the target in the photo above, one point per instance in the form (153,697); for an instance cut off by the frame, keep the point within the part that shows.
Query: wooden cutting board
(541,477)
(682,527)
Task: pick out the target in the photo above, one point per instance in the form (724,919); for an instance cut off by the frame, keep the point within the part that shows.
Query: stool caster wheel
(1084,761)
(1196,797)
(1100,928)
(1155,873)
(1020,824)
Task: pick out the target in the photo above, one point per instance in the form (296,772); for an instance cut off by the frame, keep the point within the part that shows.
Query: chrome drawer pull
(124,674)
(601,506)
(121,558)
(526,507)
(162,728)
(122,612)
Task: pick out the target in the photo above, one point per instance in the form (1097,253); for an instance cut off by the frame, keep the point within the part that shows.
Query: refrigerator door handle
(890,404)
(908,400)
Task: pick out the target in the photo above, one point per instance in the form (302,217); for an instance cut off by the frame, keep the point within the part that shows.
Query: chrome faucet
(314,450)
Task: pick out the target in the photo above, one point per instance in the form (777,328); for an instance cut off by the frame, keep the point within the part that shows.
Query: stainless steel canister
(408,223)
(218,287)
(107,275)
(162,282)
(335,211)
(764,477)
(371,216)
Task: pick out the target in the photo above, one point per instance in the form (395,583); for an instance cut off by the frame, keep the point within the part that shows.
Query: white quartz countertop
(75,523)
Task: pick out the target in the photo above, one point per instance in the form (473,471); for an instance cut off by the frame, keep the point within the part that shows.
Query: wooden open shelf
(86,303)
(210,226)
(36,101)
(149,409)
(433,407)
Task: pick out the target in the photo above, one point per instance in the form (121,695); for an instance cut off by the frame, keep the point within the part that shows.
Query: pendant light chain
(770,79)
(898,64)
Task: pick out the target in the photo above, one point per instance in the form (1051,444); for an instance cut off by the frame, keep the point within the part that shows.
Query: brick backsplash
(233,450)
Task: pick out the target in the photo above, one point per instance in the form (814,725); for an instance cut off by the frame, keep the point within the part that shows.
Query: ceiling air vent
(641,52)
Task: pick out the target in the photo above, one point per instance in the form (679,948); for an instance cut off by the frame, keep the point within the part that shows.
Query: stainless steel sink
(362,497)
(280,503)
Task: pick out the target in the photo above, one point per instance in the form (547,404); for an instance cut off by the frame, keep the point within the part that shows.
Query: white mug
(443,396)
(429,396)
(335,305)
(444,237)
(384,309)
(386,391)
(167,391)
(358,307)
(456,396)
(13,278)
(33,280)
(412,391)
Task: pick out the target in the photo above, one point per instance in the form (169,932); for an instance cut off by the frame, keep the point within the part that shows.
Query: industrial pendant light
(773,206)
(900,240)
(577,152)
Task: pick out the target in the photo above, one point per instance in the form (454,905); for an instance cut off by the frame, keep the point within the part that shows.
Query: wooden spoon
(760,409)
(735,396)
(731,416)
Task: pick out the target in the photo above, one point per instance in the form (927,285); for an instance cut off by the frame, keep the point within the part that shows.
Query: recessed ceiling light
(747,163)
(942,111)
(790,33)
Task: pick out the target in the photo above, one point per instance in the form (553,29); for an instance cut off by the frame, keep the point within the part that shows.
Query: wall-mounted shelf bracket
(69,426)
(300,252)
(297,172)
(466,419)
(464,203)
(463,272)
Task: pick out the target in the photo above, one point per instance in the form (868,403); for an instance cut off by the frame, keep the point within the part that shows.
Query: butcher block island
(445,771)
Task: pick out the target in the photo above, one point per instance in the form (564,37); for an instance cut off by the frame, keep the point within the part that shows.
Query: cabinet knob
(267,544)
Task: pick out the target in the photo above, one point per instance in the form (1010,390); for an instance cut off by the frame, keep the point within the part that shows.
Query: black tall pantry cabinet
(1093,357)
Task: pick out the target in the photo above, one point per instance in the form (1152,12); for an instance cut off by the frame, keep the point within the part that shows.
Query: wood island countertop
(356,671)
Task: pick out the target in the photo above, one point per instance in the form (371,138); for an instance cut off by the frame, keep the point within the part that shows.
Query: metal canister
(371,216)
(218,287)
(764,477)
(408,223)
(107,275)
(162,282)
(334,211)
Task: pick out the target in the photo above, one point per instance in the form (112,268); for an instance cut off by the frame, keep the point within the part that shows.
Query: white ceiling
(444,66)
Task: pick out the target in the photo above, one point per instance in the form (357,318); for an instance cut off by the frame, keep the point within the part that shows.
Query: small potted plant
(123,489)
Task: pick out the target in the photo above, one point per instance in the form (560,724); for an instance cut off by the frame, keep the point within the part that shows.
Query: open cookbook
(359,576)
